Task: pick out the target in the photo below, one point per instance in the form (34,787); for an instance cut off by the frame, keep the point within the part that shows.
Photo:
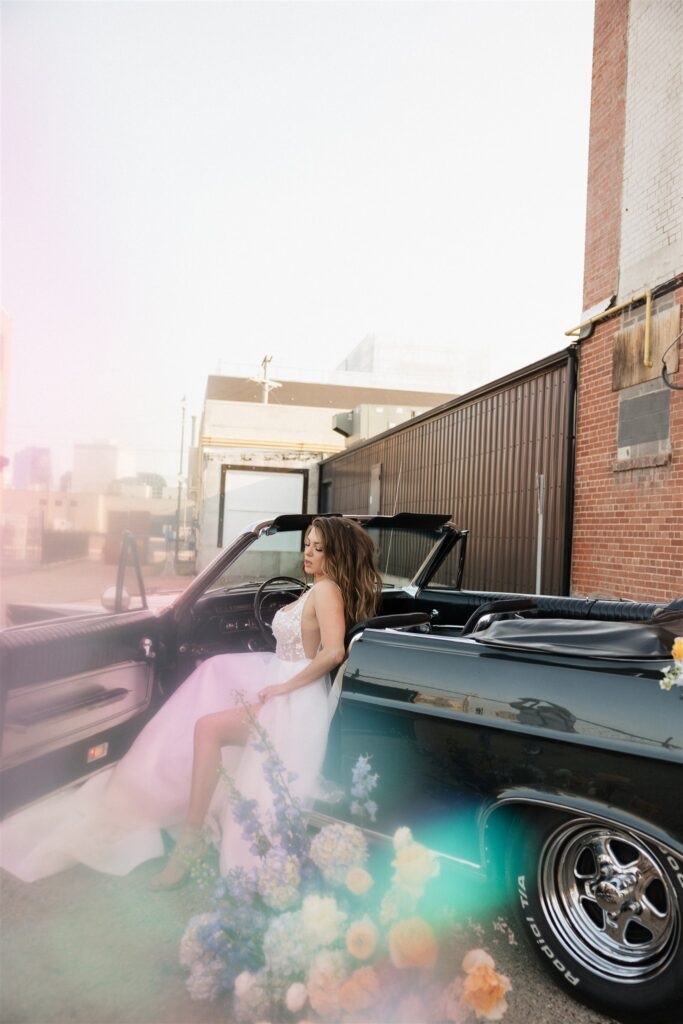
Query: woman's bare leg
(211,733)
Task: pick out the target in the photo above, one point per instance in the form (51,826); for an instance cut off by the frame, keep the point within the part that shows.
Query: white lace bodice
(287,630)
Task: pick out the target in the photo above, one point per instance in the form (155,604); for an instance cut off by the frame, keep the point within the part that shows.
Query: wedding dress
(112,822)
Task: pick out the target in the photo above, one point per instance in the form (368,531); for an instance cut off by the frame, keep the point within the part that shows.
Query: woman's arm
(328,606)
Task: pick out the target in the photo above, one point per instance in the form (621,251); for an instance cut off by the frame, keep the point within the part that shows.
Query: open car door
(74,691)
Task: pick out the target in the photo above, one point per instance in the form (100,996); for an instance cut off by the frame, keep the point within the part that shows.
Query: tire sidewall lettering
(571,979)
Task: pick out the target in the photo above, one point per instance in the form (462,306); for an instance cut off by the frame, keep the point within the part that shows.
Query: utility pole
(183,406)
(266,384)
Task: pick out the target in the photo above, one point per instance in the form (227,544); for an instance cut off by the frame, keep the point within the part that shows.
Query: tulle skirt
(112,822)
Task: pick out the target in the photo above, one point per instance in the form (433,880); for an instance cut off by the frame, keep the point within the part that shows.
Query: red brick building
(628,508)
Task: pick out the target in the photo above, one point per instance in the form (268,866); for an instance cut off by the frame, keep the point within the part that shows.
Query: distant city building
(142,485)
(98,464)
(155,481)
(32,469)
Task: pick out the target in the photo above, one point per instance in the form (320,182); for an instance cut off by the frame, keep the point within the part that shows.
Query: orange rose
(360,991)
(484,989)
(677,649)
(412,943)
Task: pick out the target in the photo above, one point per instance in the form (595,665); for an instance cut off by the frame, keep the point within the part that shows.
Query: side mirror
(108,599)
(129,556)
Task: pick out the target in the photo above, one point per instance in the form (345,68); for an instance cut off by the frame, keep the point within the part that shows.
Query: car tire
(603,908)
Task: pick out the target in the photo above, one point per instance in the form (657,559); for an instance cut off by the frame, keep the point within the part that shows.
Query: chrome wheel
(610,901)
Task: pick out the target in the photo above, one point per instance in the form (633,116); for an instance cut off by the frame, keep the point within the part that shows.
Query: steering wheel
(263,595)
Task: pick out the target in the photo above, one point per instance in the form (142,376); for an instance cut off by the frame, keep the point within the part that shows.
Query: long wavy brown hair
(350,561)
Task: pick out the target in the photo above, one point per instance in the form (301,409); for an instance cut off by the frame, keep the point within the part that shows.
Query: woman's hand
(268,692)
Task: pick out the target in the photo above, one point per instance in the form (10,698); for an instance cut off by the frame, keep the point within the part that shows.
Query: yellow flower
(358,881)
(677,649)
(412,943)
(484,989)
(360,991)
(361,939)
(415,865)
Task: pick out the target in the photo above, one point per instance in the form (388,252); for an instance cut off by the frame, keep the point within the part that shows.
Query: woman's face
(314,555)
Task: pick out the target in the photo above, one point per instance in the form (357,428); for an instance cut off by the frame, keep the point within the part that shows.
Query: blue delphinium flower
(363,782)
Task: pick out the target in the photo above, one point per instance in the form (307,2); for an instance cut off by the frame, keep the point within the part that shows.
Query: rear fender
(496,817)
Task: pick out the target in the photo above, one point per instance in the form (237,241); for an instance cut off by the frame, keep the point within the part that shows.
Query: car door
(74,692)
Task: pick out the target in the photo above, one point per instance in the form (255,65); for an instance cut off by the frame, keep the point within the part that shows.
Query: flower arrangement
(309,935)
(673,676)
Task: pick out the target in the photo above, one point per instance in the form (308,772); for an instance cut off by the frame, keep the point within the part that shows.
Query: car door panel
(74,693)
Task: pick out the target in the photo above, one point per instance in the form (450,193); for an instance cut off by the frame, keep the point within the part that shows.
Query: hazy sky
(184,183)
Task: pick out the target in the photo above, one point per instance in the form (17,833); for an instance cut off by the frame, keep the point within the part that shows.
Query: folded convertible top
(586,638)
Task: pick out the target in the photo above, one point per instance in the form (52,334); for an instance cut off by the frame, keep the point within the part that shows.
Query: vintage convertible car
(525,738)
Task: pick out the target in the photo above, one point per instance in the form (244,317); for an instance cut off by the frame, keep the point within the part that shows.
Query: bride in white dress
(169,776)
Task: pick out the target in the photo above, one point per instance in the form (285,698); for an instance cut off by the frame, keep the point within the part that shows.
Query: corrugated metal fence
(481,458)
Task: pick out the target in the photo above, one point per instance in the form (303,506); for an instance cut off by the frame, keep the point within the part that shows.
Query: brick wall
(606,150)
(652,195)
(628,525)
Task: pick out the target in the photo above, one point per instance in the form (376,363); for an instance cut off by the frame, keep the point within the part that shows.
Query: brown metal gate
(481,457)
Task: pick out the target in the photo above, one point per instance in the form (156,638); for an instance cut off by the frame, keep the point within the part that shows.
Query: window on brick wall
(643,425)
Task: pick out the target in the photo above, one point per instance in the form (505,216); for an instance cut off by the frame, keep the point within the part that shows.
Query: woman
(169,776)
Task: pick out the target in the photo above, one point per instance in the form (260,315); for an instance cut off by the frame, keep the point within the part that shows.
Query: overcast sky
(185,183)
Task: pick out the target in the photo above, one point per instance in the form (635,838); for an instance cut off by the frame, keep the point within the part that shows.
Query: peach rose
(677,649)
(361,939)
(325,979)
(360,991)
(484,989)
(358,881)
(412,943)
(474,958)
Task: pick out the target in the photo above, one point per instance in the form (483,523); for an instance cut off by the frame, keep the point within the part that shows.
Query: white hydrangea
(278,879)
(287,949)
(322,919)
(204,980)
(254,1002)
(336,848)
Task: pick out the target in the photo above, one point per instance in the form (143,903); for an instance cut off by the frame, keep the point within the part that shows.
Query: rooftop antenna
(267,385)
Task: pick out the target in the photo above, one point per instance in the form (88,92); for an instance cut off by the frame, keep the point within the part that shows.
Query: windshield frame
(440,524)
